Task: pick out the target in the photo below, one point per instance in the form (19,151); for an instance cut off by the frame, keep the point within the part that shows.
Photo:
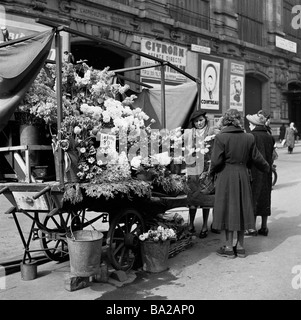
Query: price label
(107,141)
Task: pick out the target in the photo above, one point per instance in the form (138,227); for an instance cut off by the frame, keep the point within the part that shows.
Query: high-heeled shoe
(263,232)
(214,230)
(251,232)
(191,230)
(203,234)
(241,253)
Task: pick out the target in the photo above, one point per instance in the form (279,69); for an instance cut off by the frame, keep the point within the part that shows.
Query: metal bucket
(155,255)
(85,248)
(28,270)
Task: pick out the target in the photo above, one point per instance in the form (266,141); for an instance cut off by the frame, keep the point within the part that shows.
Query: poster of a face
(236,92)
(210,85)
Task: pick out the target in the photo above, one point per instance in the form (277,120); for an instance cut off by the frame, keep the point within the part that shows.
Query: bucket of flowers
(155,245)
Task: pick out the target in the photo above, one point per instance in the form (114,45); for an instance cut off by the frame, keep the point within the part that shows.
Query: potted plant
(155,245)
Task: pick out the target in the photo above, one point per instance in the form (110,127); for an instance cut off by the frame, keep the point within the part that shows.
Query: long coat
(262,181)
(290,137)
(233,153)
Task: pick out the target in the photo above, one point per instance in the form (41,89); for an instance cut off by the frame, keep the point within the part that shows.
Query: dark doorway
(294,104)
(98,57)
(253,97)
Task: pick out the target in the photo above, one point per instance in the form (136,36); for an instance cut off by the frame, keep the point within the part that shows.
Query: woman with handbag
(233,153)
(196,164)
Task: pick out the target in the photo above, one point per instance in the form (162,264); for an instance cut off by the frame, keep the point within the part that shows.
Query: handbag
(206,182)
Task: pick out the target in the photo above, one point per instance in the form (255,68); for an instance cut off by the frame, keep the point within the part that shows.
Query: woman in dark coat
(233,153)
(261,181)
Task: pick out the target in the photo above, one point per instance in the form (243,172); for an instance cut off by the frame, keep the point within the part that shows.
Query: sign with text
(107,141)
(14,27)
(286,44)
(201,49)
(174,54)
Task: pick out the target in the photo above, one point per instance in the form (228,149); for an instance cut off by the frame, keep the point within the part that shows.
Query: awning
(20,62)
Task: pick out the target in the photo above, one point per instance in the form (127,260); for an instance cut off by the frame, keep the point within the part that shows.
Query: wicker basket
(179,245)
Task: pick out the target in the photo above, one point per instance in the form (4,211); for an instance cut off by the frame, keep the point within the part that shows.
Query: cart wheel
(123,242)
(54,242)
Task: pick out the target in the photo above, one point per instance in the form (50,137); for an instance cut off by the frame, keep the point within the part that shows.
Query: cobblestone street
(271,270)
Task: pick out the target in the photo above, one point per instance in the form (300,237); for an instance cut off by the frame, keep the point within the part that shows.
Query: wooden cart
(52,218)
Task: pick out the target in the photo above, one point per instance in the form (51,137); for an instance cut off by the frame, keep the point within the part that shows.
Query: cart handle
(10,210)
(36,196)
(3,190)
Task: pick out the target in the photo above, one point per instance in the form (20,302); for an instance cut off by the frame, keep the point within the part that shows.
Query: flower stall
(105,161)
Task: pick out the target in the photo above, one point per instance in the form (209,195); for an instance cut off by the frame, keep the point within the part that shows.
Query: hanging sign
(286,44)
(174,54)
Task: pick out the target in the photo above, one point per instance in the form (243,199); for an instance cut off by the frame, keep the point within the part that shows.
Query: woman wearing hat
(233,152)
(261,181)
(196,164)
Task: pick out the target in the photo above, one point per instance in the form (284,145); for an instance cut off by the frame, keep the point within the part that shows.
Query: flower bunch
(97,108)
(158,234)
(115,177)
(157,169)
(203,146)
(39,104)
(40,96)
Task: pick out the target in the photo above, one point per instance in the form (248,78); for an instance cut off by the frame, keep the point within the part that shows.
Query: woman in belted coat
(233,153)
(261,181)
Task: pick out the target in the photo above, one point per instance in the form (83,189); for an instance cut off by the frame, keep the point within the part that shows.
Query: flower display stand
(155,255)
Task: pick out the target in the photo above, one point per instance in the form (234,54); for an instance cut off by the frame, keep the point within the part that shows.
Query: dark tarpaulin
(181,101)
(20,63)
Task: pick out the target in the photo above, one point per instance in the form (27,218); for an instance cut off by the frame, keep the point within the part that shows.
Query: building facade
(246,53)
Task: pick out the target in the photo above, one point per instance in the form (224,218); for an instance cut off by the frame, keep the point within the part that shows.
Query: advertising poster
(174,54)
(211,85)
(237,85)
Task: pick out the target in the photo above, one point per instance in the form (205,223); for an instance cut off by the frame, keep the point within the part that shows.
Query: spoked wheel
(53,236)
(123,242)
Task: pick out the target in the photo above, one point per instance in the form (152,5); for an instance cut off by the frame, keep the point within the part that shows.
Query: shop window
(284,110)
(276,113)
(192,12)
(251,21)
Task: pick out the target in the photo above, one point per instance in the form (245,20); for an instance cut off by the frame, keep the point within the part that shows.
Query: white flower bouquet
(158,234)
